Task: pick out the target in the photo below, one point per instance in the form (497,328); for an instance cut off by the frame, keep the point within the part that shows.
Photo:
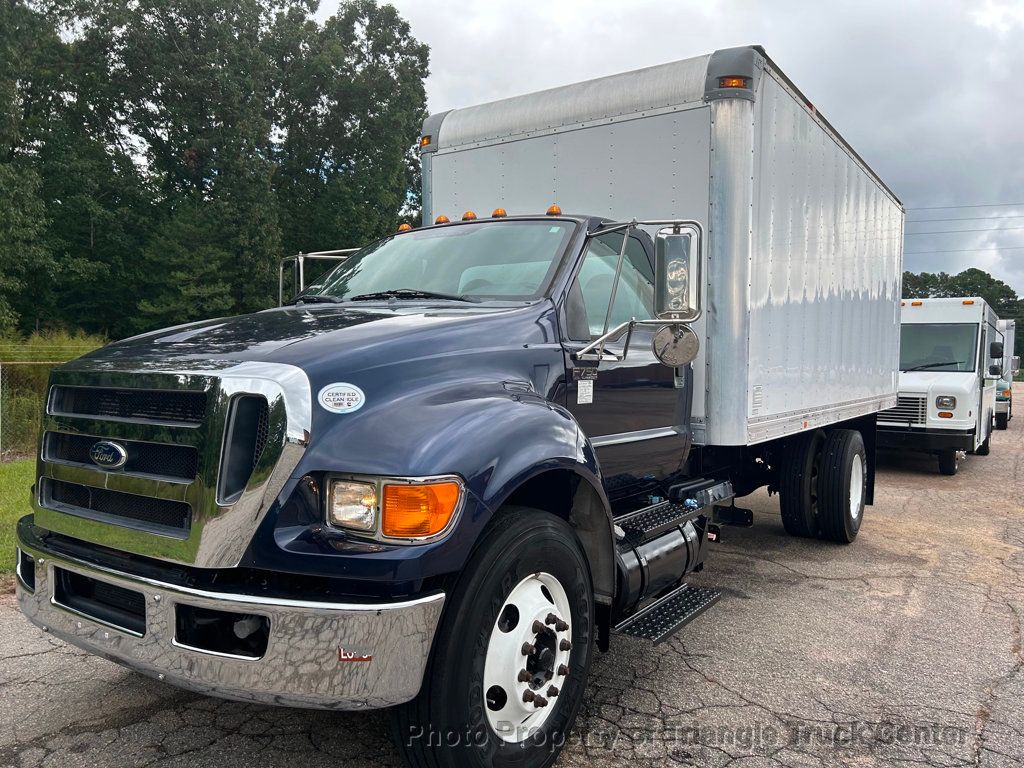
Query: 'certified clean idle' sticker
(341,397)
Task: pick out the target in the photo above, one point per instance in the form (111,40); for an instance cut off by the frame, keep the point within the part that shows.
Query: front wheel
(512,655)
(842,485)
(949,462)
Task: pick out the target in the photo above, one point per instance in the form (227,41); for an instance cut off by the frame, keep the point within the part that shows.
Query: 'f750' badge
(344,655)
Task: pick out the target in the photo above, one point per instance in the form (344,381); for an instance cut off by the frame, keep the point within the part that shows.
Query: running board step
(648,523)
(667,615)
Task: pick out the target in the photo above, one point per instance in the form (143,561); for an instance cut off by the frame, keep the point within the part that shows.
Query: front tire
(985,448)
(511,657)
(843,483)
(949,462)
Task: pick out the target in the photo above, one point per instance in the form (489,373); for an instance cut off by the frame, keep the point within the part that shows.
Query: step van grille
(908,410)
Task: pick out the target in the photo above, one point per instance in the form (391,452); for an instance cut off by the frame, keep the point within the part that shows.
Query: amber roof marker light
(442,219)
(733,81)
(554,210)
(468,216)
(405,227)
(499,213)
(424,141)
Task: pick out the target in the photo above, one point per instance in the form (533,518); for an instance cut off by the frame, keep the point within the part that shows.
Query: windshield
(505,260)
(938,347)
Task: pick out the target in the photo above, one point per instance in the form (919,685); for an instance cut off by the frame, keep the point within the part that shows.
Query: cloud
(926,91)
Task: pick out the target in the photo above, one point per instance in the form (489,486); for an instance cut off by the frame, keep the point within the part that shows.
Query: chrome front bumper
(319,655)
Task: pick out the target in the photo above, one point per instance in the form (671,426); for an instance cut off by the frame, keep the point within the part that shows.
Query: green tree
(971,282)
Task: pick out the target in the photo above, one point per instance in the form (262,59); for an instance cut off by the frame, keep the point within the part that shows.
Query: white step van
(951,358)
(1011,367)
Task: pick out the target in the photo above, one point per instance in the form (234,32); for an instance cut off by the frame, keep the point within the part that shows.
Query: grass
(15,483)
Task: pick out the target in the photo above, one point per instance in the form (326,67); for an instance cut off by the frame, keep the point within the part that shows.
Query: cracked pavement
(902,649)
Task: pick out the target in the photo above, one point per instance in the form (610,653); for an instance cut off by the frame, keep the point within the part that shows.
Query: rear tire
(1002,419)
(798,485)
(843,485)
(949,462)
(467,687)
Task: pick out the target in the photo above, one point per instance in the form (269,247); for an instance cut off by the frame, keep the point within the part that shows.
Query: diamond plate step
(649,523)
(667,615)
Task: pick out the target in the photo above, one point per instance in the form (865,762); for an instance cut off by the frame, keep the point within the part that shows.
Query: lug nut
(540,701)
(552,691)
(551,619)
(528,649)
(561,626)
(538,627)
(565,645)
(529,695)
(524,676)
(563,670)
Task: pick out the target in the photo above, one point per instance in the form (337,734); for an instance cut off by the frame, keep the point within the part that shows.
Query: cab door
(634,411)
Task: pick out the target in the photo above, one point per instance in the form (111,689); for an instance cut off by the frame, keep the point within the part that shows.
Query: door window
(592,288)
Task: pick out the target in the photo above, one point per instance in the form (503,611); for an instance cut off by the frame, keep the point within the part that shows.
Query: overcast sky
(929,92)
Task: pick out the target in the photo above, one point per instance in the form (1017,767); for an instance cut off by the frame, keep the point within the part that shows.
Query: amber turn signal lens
(468,216)
(499,213)
(442,219)
(916,303)
(405,227)
(968,302)
(945,415)
(554,210)
(732,82)
(418,510)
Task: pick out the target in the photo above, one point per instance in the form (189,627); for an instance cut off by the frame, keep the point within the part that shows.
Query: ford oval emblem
(108,455)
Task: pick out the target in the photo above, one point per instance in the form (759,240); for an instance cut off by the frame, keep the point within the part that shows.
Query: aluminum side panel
(826,261)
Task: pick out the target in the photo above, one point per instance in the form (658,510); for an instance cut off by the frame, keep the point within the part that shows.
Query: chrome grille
(131,404)
(168,517)
(908,410)
(179,462)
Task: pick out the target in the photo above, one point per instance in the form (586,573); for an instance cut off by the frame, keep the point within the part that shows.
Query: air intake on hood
(248,425)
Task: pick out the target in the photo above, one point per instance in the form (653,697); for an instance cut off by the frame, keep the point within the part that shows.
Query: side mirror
(995,350)
(1015,364)
(677,273)
(995,371)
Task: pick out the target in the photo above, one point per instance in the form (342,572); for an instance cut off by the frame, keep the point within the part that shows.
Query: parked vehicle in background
(1011,366)
(461,460)
(951,358)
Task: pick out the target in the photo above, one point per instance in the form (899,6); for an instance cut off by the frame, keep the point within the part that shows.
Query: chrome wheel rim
(856,486)
(527,657)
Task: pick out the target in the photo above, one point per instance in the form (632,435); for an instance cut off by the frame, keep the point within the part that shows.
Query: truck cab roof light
(499,213)
(442,219)
(554,210)
(468,216)
(425,141)
(968,301)
(405,227)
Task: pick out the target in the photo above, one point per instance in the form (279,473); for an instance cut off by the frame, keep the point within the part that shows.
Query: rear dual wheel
(823,485)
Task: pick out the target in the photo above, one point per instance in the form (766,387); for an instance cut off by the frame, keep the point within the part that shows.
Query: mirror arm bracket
(595,350)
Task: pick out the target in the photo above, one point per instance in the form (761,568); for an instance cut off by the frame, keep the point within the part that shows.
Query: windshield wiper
(934,365)
(412,293)
(317,298)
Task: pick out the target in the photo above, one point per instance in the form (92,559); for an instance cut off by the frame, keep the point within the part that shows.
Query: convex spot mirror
(995,349)
(995,370)
(675,345)
(677,266)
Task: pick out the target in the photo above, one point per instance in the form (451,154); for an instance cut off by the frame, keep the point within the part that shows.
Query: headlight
(352,505)
(945,401)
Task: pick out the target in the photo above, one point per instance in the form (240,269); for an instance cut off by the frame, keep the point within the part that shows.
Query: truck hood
(306,336)
(937,382)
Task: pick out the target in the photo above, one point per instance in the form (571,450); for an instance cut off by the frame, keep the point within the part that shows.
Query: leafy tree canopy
(158,157)
(971,282)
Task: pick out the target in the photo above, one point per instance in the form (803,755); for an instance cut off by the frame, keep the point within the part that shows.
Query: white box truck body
(804,242)
(950,356)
